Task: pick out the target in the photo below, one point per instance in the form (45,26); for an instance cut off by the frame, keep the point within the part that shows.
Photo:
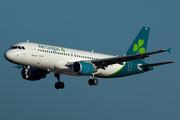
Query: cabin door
(129,65)
(34,50)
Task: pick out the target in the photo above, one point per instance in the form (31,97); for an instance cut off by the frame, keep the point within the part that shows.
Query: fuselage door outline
(129,66)
(34,51)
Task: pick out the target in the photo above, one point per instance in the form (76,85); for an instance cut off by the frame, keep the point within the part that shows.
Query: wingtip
(169,50)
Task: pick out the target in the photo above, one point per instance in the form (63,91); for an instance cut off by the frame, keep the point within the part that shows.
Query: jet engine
(32,74)
(83,68)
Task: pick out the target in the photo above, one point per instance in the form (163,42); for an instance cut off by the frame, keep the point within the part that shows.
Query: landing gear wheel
(58,85)
(61,85)
(90,82)
(95,81)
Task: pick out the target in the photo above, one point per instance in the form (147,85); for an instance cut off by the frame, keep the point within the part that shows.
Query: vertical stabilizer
(140,43)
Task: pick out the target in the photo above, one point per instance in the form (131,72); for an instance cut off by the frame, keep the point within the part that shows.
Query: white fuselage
(55,59)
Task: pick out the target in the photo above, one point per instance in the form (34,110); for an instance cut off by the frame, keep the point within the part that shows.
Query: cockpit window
(18,47)
(14,47)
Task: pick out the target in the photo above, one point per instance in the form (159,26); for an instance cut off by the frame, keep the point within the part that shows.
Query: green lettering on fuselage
(49,48)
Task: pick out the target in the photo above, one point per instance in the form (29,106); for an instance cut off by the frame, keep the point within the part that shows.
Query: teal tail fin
(140,43)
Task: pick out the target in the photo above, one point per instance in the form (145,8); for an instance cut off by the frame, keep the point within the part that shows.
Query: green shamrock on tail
(139,47)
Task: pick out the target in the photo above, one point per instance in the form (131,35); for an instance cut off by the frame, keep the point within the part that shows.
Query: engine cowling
(32,74)
(83,68)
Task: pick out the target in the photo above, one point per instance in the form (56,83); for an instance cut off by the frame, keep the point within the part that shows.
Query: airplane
(38,60)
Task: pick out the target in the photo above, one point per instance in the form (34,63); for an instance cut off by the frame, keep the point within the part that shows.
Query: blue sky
(105,26)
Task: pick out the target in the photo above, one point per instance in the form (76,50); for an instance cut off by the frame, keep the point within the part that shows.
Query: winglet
(169,50)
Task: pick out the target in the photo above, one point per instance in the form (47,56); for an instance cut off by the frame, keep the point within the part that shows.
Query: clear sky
(105,26)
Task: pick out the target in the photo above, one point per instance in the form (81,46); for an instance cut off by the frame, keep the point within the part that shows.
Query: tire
(56,85)
(61,85)
(90,82)
(95,81)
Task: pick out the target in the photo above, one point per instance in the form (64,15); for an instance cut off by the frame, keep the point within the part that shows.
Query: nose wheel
(58,84)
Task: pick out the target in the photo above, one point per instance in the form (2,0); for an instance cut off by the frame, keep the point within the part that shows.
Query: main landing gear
(93,81)
(58,84)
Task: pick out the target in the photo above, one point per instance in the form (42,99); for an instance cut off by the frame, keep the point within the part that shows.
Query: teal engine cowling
(83,68)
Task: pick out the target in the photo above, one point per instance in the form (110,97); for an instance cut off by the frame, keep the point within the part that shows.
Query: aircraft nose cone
(7,55)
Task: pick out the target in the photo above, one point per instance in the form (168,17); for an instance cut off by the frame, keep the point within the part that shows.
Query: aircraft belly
(109,70)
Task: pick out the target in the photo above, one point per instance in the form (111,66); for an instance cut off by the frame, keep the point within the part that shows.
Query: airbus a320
(38,60)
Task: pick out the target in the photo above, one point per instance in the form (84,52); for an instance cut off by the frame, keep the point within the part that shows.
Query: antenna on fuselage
(27,40)
(92,51)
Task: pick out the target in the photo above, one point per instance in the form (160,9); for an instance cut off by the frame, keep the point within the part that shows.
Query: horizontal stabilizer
(156,64)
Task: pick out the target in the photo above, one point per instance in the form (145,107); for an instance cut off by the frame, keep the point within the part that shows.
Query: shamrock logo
(139,47)
(62,50)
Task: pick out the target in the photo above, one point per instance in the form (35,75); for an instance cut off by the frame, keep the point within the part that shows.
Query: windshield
(18,47)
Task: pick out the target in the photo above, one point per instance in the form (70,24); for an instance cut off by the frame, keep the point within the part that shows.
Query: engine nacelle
(83,68)
(32,74)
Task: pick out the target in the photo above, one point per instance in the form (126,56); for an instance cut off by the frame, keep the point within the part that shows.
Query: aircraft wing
(101,63)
